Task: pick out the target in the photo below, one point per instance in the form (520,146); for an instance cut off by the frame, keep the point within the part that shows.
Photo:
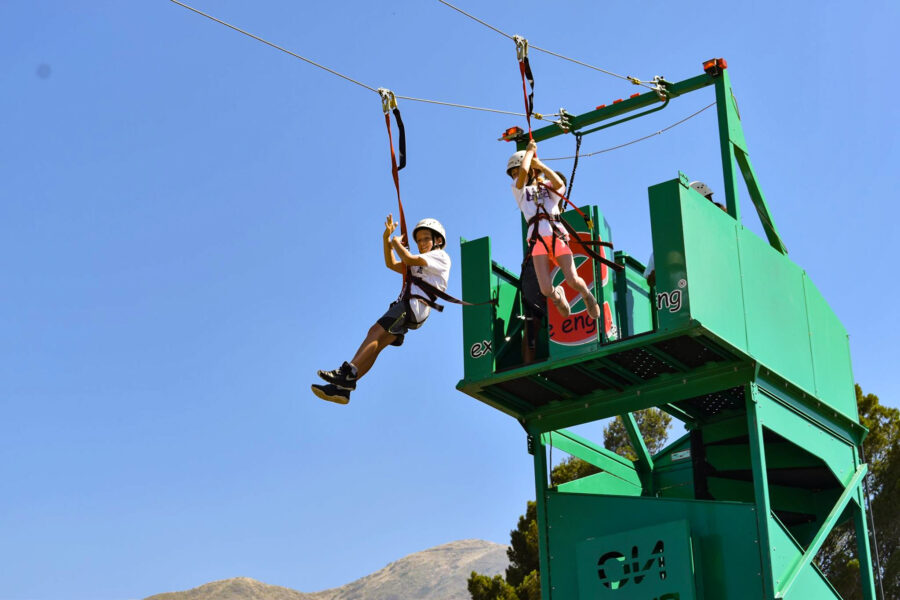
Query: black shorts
(534,303)
(398,320)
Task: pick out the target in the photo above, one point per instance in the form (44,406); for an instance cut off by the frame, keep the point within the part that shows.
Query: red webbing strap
(572,233)
(395,172)
(569,202)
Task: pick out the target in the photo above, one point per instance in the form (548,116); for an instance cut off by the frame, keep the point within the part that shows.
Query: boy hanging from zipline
(426,274)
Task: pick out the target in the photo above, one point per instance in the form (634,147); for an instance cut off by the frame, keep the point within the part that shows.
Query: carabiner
(388,100)
(521,47)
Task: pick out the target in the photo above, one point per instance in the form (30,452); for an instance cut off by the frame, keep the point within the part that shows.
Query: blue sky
(191,226)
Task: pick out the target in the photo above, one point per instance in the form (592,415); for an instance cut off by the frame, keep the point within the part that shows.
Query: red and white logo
(579,328)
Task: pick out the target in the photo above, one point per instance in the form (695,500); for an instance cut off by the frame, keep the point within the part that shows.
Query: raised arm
(555,182)
(525,167)
(406,257)
(389,261)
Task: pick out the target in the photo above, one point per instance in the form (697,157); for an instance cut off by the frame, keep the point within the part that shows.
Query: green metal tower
(735,341)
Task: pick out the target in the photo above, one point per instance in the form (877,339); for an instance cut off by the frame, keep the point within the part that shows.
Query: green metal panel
(830,353)
(775,305)
(634,310)
(477,287)
(835,453)
(601,483)
(673,470)
(507,327)
(605,288)
(725,544)
(672,298)
(713,267)
(651,562)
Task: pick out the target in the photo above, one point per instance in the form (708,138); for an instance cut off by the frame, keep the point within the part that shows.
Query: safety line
(259,39)
(646,137)
(633,80)
(332,71)
(493,110)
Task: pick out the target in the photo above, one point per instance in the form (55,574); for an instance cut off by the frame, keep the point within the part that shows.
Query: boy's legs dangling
(377,339)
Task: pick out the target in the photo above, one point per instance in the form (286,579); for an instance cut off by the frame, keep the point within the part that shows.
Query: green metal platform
(735,341)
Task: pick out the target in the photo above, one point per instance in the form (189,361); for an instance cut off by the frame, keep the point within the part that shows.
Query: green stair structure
(735,341)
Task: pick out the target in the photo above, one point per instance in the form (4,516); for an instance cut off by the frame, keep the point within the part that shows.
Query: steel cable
(633,80)
(641,139)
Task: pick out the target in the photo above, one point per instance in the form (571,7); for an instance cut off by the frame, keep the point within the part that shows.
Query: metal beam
(829,523)
(640,448)
(617,109)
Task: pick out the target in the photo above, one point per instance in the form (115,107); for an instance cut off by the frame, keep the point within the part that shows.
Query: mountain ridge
(437,573)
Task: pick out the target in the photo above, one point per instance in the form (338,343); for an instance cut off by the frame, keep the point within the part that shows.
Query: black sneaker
(332,393)
(342,377)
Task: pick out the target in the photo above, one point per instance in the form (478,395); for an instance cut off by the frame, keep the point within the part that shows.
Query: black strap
(434,292)
(574,168)
(530,77)
(585,245)
(401,138)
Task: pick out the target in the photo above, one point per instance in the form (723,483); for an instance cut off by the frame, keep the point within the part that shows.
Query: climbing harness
(525,72)
(542,215)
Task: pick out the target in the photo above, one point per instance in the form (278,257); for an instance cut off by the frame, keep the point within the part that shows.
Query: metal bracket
(565,120)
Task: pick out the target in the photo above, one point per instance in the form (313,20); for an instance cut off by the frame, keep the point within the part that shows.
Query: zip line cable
(333,72)
(633,80)
(493,110)
(277,47)
(438,102)
(641,139)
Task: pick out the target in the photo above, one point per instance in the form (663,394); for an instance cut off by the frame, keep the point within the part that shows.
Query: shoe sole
(337,382)
(336,399)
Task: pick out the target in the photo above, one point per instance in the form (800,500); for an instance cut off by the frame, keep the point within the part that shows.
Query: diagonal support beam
(829,523)
(640,448)
(587,451)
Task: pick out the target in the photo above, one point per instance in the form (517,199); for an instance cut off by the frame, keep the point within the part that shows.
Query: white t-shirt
(436,272)
(530,197)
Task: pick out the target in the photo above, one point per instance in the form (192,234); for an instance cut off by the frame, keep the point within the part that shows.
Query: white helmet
(434,226)
(703,189)
(515,160)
